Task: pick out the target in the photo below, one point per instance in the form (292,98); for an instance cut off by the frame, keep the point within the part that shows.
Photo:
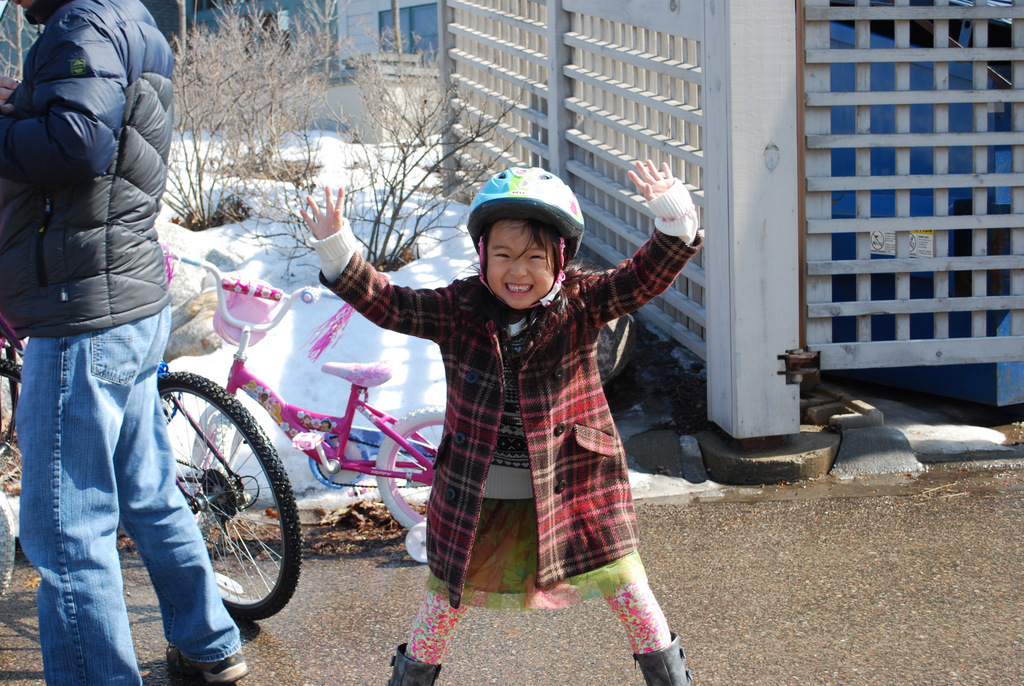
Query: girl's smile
(519,271)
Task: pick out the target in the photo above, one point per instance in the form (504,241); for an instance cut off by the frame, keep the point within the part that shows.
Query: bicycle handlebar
(253,289)
(7,333)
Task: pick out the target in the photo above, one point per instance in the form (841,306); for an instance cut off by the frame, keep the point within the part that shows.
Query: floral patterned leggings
(634,603)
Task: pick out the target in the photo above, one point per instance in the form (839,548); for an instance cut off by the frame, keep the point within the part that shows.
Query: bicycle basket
(255,311)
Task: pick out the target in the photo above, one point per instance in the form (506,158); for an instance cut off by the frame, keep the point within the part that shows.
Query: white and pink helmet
(528,193)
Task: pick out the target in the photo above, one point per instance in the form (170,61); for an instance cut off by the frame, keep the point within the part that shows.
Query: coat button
(449,495)
(559,373)
(559,430)
(562,485)
(459,438)
(472,376)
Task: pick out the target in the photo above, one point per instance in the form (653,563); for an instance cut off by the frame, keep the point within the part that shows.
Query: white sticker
(883,243)
(921,244)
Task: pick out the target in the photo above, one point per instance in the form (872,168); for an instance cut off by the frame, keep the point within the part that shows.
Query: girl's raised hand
(327,223)
(649,180)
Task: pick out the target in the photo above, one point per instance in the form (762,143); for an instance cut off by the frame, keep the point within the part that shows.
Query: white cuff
(674,212)
(335,251)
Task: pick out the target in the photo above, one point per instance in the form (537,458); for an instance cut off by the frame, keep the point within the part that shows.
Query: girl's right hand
(329,222)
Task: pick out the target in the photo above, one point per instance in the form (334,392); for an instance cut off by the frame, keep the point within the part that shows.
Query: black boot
(665,667)
(409,672)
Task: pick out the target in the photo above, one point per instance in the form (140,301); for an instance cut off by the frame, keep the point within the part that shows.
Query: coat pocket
(596,441)
(444,449)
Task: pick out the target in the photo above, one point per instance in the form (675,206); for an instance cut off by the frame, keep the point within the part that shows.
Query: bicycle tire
(6,543)
(10,466)
(407,500)
(10,389)
(247,514)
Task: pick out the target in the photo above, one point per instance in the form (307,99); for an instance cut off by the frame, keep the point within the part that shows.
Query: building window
(418,26)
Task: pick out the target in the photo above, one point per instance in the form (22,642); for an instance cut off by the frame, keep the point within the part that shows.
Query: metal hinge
(799,363)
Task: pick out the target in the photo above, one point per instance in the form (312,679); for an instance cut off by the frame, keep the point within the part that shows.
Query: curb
(875,450)
(806,455)
(844,437)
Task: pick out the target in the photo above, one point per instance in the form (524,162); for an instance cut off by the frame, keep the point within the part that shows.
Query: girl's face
(519,270)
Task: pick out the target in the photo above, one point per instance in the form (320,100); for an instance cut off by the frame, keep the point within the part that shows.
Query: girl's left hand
(649,181)
(326,224)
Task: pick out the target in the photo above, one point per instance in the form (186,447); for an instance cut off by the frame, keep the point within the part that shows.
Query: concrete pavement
(883,575)
(920,584)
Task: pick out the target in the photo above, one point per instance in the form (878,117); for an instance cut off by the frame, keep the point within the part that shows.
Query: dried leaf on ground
(363,520)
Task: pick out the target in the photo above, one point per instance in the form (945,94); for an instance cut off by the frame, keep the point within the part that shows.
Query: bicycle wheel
(6,542)
(239,492)
(10,456)
(407,499)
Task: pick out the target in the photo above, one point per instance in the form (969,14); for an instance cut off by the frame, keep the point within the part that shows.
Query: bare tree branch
(247,96)
(403,116)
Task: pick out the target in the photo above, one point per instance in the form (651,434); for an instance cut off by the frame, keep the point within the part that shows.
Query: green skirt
(503,565)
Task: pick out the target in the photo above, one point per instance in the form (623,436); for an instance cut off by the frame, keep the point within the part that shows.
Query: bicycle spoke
(234,482)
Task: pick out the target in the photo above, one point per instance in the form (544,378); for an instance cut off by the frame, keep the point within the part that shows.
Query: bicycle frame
(292,419)
(11,350)
(196,496)
(10,342)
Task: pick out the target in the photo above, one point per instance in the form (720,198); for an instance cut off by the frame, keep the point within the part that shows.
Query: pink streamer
(170,262)
(329,333)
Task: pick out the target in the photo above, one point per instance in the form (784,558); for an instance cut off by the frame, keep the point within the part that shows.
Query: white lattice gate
(593,85)
(859,167)
(596,84)
(914,128)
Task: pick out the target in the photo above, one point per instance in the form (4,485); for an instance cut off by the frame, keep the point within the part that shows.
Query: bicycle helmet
(528,193)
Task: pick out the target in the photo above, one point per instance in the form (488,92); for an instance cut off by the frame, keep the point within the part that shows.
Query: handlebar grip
(254,289)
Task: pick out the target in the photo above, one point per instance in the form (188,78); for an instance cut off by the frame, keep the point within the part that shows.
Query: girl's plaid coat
(585,515)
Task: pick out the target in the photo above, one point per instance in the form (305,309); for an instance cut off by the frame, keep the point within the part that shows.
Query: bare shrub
(247,97)
(410,129)
(16,35)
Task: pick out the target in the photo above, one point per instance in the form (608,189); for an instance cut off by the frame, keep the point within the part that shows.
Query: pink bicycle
(398,453)
(10,457)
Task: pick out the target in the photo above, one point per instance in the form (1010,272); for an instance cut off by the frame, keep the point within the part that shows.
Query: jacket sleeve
(77,98)
(421,312)
(638,280)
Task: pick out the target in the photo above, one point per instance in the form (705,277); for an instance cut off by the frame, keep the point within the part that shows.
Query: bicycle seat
(367,375)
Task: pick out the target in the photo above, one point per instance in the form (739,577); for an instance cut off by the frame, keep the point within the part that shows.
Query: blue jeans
(95,452)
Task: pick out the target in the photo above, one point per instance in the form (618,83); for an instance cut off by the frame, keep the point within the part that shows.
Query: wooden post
(558,89)
(396,27)
(751,216)
(445,42)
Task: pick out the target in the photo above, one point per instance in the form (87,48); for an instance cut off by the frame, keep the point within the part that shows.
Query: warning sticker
(921,244)
(883,243)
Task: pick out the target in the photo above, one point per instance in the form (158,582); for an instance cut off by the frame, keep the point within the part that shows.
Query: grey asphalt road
(915,580)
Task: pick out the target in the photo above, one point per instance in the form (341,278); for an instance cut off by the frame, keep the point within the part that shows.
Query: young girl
(530,505)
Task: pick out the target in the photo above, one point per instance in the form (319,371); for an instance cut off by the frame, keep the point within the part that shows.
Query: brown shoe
(226,671)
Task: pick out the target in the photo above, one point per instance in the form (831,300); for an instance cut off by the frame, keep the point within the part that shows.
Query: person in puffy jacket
(84,143)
